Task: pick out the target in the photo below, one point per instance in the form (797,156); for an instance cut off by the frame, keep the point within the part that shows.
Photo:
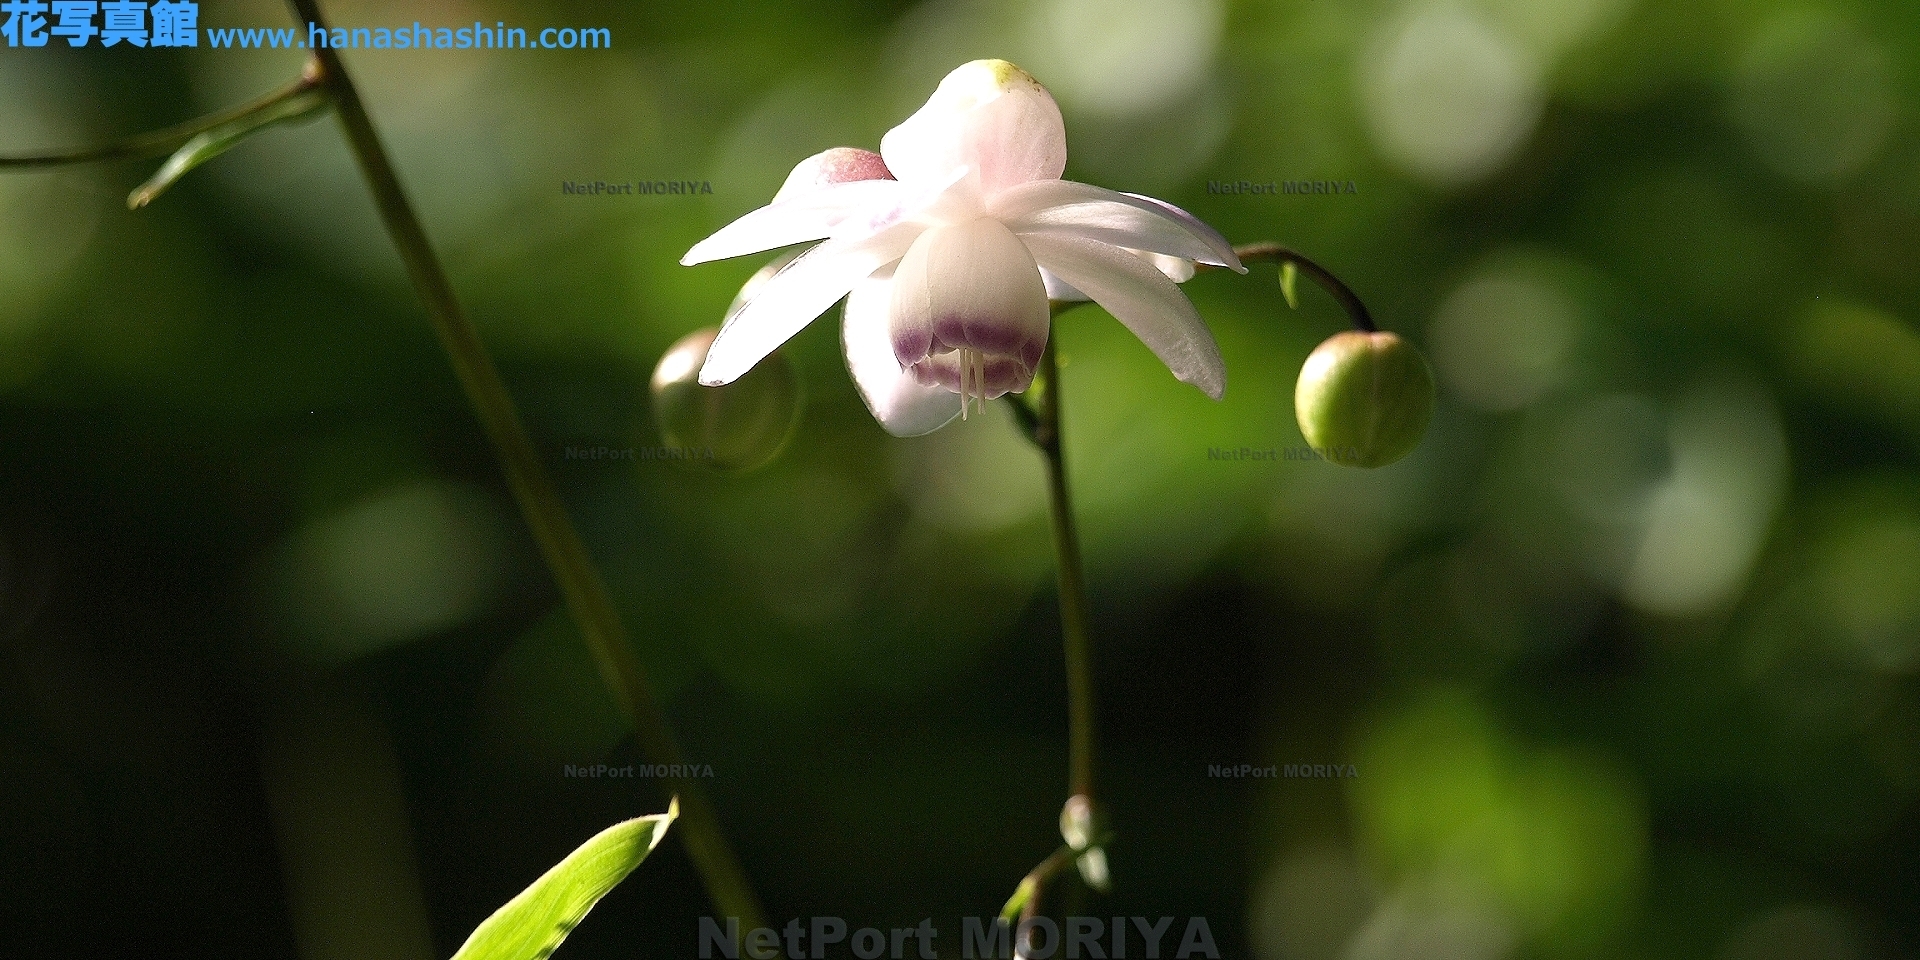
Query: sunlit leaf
(533,924)
(1018,901)
(205,146)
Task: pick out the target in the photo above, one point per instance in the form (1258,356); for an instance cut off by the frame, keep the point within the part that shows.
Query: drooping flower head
(948,245)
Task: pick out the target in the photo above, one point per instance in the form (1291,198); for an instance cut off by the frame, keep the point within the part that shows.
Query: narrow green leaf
(532,924)
(205,146)
(1288,274)
(1018,902)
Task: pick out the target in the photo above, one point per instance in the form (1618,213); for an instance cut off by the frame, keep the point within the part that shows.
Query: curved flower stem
(580,582)
(1275,253)
(171,138)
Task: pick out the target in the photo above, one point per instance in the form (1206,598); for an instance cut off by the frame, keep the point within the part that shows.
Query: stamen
(973,380)
(966,375)
(973,366)
(979,382)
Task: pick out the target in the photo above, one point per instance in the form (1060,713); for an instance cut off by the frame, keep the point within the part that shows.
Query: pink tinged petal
(1016,138)
(903,405)
(988,116)
(810,216)
(1141,298)
(969,286)
(837,165)
(801,291)
(1063,207)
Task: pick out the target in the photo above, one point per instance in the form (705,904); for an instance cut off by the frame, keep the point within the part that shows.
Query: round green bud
(736,426)
(1364,399)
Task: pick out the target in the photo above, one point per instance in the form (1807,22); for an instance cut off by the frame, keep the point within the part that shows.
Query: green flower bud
(1364,399)
(739,426)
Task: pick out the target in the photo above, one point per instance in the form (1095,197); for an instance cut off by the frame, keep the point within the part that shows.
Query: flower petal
(1059,290)
(989,116)
(809,216)
(1177,269)
(1141,298)
(970,285)
(1199,228)
(903,405)
(1017,138)
(835,165)
(1120,219)
(801,291)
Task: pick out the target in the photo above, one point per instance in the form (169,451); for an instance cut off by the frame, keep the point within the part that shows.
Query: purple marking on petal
(911,346)
(989,335)
(1004,375)
(1030,352)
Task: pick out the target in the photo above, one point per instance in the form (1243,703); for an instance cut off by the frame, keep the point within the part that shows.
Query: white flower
(948,244)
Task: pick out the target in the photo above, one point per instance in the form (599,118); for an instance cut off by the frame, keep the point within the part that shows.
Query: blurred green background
(1623,656)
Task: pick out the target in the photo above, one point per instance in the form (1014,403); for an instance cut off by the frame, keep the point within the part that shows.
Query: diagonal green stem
(580,582)
(163,141)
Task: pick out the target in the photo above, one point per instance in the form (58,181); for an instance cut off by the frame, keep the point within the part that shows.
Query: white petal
(904,406)
(1143,299)
(970,285)
(1017,138)
(752,287)
(1177,269)
(1199,228)
(797,294)
(809,216)
(988,116)
(1120,219)
(1060,290)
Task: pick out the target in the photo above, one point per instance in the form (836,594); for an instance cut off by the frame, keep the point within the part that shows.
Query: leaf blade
(537,920)
(299,105)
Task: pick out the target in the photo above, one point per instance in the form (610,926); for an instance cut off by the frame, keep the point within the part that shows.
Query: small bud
(739,426)
(1094,869)
(1364,399)
(1077,822)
